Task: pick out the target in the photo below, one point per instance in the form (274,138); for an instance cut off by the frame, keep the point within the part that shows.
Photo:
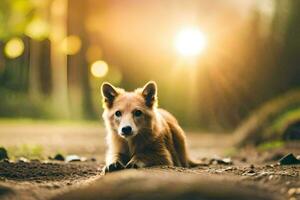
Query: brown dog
(138,133)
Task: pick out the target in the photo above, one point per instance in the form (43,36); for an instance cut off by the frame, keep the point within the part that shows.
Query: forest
(49,48)
(228,71)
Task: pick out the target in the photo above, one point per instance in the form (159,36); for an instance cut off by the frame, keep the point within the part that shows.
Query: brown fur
(157,137)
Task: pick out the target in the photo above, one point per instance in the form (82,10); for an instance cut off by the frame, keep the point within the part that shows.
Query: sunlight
(37,29)
(99,69)
(14,48)
(190,41)
(71,45)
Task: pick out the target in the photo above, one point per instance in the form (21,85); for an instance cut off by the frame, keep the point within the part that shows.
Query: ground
(249,174)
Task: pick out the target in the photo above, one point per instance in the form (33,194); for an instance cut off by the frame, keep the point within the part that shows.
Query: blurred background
(214,61)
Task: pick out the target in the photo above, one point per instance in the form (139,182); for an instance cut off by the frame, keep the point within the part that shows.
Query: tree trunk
(58,20)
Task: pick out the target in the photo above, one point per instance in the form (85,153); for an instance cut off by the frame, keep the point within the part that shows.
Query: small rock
(3,153)
(59,157)
(23,160)
(271,177)
(93,159)
(228,169)
(5,160)
(289,159)
(227,161)
(83,159)
(72,158)
(224,161)
(252,166)
(249,174)
(291,191)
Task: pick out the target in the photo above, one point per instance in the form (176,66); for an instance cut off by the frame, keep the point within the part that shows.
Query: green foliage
(18,104)
(271,145)
(269,121)
(14,17)
(27,151)
(282,122)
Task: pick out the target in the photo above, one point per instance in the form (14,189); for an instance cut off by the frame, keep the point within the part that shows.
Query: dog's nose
(127,130)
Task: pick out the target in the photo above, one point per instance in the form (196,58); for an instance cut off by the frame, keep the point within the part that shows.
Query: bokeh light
(99,68)
(14,48)
(190,41)
(71,45)
(37,29)
(58,7)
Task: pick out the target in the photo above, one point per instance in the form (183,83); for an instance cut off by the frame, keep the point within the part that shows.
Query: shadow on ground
(167,185)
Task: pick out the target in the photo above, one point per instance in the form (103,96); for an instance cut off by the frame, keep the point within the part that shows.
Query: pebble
(271,177)
(270,166)
(6,160)
(291,191)
(249,174)
(72,158)
(224,161)
(59,157)
(3,153)
(228,169)
(23,160)
(289,159)
(93,159)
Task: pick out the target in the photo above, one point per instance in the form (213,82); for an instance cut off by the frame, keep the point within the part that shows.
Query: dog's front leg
(116,157)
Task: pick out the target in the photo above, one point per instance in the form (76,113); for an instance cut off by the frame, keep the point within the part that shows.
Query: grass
(271,145)
(268,123)
(282,122)
(26,151)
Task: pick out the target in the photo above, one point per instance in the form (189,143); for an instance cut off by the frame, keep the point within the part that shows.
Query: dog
(139,134)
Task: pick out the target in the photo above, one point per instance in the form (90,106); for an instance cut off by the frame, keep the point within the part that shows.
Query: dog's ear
(109,93)
(150,93)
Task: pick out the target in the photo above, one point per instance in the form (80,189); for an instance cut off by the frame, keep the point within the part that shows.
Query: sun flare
(190,41)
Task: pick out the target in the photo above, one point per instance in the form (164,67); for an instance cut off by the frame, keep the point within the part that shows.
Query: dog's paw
(134,164)
(114,167)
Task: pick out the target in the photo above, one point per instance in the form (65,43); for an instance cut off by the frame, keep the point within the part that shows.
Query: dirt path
(252,174)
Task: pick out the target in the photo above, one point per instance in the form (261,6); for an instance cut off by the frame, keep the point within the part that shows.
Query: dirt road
(249,174)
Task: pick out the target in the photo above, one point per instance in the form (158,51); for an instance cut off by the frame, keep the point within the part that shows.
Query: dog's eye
(137,113)
(118,113)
